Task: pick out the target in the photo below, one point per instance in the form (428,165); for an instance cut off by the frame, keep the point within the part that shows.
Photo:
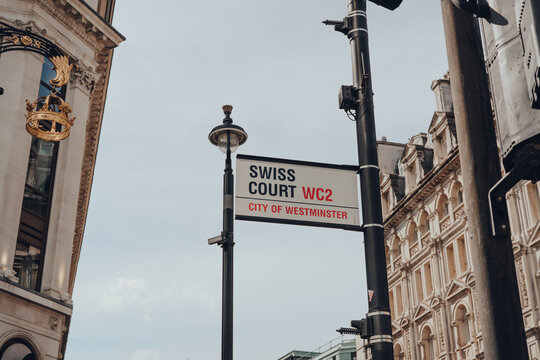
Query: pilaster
(20,73)
(59,250)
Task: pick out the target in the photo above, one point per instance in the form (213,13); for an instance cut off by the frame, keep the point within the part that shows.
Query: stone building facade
(431,278)
(45,186)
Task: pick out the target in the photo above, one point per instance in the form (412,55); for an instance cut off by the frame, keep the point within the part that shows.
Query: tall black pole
(499,307)
(227,137)
(228,246)
(377,282)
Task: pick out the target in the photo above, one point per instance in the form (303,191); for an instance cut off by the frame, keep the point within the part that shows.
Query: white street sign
(296,192)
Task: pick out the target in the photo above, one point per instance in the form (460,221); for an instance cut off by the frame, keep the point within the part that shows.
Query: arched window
(17,349)
(413,239)
(442,206)
(425,226)
(396,249)
(428,344)
(463,326)
(459,196)
(398,352)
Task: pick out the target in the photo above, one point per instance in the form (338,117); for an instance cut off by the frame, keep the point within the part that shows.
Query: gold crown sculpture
(46,112)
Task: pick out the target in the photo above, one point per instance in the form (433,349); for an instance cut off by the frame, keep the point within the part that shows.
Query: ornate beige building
(431,278)
(44,185)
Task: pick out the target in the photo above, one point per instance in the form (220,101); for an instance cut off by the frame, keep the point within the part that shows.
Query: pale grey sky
(148,285)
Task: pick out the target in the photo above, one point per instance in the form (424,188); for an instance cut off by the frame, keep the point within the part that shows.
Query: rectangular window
(427,276)
(534,201)
(462,252)
(419,287)
(451,261)
(32,236)
(105,9)
(399,300)
(391,300)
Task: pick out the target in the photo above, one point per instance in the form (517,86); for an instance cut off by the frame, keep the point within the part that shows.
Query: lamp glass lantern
(227,136)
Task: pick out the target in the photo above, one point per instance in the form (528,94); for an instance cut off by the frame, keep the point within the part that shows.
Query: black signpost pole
(377,327)
(380,339)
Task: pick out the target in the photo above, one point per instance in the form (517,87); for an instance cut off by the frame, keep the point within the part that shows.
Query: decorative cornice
(83,23)
(93,129)
(425,188)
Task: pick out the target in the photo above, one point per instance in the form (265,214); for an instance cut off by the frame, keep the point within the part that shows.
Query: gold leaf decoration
(62,68)
(26,40)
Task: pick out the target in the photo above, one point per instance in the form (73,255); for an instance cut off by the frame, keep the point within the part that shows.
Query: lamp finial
(227,109)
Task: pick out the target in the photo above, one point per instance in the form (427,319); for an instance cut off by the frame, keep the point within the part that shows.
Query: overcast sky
(148,285)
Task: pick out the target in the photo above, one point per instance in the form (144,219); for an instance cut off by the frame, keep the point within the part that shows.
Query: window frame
(28,216)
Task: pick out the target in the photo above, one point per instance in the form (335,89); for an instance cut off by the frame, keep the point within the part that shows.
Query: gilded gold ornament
(62,68)
(48,118)
(26,40)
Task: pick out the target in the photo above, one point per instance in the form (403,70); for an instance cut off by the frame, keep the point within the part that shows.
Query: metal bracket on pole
(343,26)
(220,239)
(528,168)
(497,204)
(216,240)
(363,328)
(478,8)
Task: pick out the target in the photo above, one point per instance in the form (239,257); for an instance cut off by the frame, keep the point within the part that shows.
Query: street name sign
(296,192)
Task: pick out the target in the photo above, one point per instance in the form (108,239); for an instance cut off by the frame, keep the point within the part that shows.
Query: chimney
(443,94)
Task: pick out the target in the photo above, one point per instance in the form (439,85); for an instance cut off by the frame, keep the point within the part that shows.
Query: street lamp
(227,137)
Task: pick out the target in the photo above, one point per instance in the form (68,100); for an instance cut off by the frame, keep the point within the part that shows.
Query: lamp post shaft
(228,246)
(377,282)
(499,308)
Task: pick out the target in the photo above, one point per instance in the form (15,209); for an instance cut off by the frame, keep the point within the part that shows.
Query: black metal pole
(499,307)
(228,246)
(379,309)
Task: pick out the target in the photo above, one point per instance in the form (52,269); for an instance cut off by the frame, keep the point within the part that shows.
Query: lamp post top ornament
(227,110)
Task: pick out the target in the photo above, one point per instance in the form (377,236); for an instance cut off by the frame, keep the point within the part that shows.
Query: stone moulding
(93,129)
(423,190)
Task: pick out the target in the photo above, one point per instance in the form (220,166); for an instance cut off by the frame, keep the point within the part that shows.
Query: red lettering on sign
(311,193)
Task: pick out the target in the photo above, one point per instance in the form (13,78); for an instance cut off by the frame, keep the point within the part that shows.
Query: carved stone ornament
(85,79)
(53,322)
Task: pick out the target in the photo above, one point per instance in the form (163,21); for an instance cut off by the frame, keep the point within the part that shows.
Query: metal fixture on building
(512,57)
(48,116)
(227,137)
